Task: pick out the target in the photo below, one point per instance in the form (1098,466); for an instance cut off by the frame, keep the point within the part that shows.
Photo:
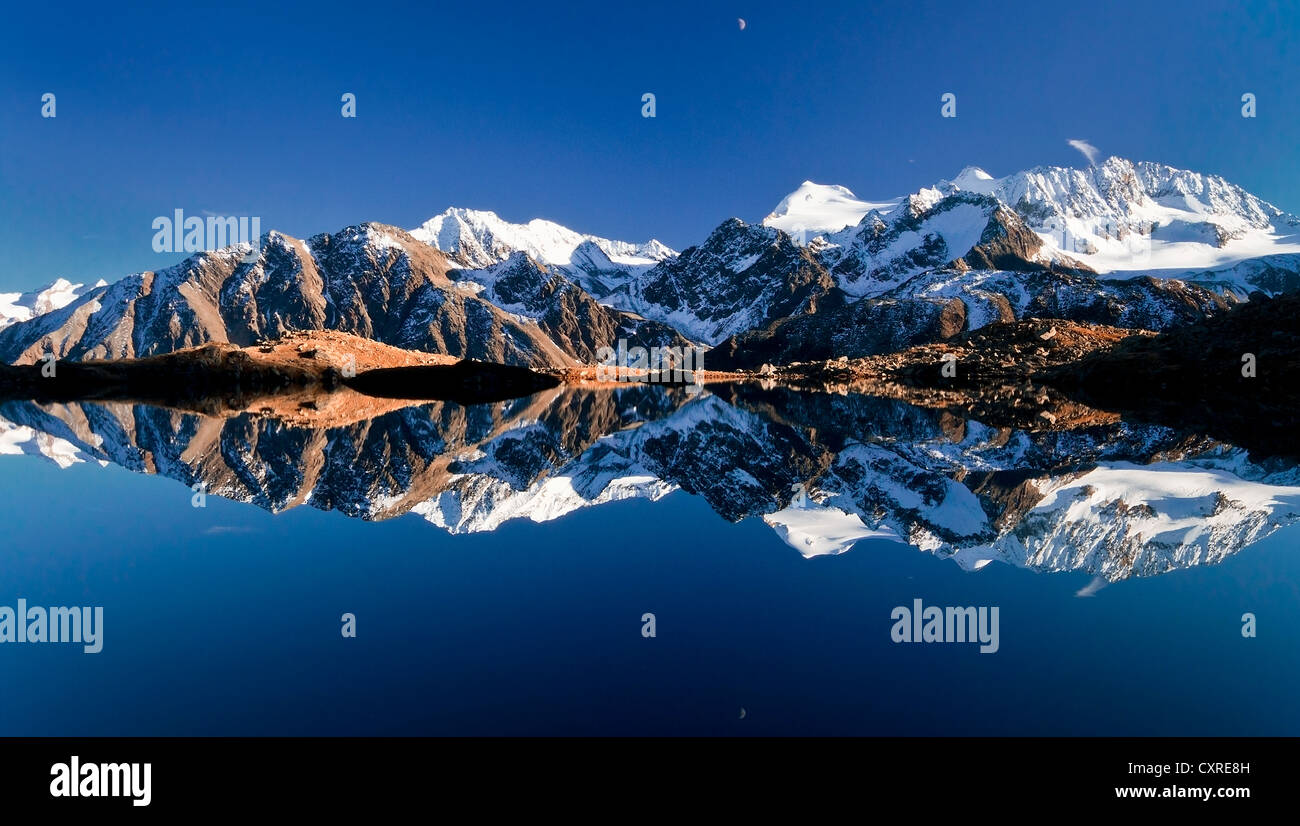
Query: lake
(505,565)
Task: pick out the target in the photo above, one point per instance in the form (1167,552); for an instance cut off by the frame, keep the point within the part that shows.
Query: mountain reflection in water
(1114,499)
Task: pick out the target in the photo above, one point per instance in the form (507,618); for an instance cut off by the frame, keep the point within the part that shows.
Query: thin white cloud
(1089,151)
(1097,582)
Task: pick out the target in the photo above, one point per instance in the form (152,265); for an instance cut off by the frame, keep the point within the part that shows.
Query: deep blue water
(226,620)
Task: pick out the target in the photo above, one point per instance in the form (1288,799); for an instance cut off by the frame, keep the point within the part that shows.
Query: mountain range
(1139,245)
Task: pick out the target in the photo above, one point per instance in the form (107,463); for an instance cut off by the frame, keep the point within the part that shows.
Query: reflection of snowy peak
(1114,501)
(1124,519)
(18,440)
(813,529)
(489,490)
(824,471)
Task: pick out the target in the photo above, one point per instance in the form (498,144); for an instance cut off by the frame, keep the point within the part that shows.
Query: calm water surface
(499,560)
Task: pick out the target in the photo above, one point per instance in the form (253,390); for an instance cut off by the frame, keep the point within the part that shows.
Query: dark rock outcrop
(863,328)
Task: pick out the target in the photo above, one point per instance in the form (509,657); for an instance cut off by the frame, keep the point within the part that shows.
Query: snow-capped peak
(16,307)
(1123,217)
(815,209)
(974,179)
(478,238)
(1119,218)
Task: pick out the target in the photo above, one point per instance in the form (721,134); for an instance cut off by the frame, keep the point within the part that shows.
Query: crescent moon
(741,21)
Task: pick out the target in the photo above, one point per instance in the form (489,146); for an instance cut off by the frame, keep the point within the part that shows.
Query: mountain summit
(814,209)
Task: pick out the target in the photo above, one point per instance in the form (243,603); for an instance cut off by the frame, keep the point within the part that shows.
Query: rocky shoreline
(302,368)
(1227,376)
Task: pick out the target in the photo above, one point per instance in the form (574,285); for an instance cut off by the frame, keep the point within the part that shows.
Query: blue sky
(534,110)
